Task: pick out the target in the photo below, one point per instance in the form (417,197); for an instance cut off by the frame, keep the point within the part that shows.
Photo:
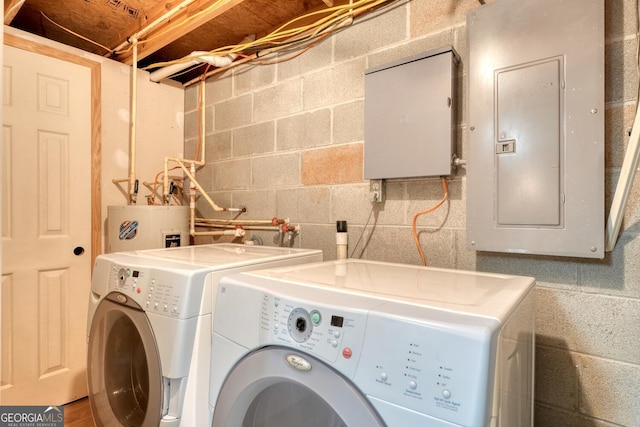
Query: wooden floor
(78,414)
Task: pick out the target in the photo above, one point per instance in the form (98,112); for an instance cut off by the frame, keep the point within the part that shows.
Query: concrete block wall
(287,140)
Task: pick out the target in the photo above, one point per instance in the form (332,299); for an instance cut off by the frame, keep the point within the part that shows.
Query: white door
(46,228)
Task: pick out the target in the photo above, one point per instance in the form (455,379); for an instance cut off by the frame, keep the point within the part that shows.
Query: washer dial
(123,273)
(300,325)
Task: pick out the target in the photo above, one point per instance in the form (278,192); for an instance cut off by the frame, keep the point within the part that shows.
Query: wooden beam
(11,9)
(196,14)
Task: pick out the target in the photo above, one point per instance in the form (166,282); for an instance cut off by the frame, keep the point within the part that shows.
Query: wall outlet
(376,190)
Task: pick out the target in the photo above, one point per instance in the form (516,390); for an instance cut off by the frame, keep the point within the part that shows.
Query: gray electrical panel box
(409,116)
(535,174)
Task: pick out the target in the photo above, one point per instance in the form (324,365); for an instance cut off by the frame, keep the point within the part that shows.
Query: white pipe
(154,24)
(169,70)
(203,122)
(165,181)
(238,232)
(226,222)
(623,188)
(132,125)
(192,202)
(197,185)
(342,240)
(195,58)
(247,227)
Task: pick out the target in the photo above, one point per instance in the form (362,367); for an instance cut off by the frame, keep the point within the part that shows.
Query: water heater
(134,227)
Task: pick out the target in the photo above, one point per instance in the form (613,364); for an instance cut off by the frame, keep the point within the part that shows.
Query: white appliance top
(468,292)
(223,255)
(172,281)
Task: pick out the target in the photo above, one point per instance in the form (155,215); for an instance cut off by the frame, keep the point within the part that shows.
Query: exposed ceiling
(193,25)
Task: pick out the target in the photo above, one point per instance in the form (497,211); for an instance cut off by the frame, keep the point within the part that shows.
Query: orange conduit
(431,209)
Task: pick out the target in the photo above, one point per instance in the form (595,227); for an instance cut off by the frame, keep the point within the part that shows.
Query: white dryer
(362,343)
(150,326)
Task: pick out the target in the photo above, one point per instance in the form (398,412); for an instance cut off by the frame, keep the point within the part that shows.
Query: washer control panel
(155,291)
(329,333)
(429,366)
(434,362)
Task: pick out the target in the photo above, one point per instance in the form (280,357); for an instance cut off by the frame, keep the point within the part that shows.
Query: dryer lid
(469,292)
(225,255)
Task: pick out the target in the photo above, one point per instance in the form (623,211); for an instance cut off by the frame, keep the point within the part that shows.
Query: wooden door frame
(96,128)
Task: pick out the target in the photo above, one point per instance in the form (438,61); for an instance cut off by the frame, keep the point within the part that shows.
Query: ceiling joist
(11,9)
(167,31)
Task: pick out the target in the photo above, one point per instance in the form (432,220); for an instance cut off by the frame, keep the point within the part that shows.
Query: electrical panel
(535,174)
(409,116)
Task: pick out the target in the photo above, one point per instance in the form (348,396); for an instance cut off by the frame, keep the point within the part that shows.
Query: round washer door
(277,387)
(123,366)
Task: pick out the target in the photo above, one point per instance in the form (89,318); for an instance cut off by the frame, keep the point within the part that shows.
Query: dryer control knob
(446,394)
(413,385)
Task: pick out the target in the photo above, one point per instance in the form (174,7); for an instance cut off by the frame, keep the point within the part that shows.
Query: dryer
(364,343)
(150,326)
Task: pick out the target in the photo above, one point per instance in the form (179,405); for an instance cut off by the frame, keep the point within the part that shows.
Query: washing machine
(363,343)
(150,326)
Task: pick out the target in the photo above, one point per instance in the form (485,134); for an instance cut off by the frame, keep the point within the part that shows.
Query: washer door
(123,366)
(281,387)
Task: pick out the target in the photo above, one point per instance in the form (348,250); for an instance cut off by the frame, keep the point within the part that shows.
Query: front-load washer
(362,343)
(150,326)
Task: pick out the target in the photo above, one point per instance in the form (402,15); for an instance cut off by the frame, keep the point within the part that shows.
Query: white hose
(195,58)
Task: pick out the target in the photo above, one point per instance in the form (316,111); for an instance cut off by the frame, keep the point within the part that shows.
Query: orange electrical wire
(431,209)
(74,33)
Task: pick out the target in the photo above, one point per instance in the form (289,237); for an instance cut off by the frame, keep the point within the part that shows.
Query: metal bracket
(376,190)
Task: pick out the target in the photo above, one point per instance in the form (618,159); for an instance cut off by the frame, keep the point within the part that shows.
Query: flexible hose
(431,209)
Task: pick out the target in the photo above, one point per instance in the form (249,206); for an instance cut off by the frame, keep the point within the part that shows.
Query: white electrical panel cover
(535,175)
(409,116)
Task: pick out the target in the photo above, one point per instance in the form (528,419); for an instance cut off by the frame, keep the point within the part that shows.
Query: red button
(139,290)
(347,353)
